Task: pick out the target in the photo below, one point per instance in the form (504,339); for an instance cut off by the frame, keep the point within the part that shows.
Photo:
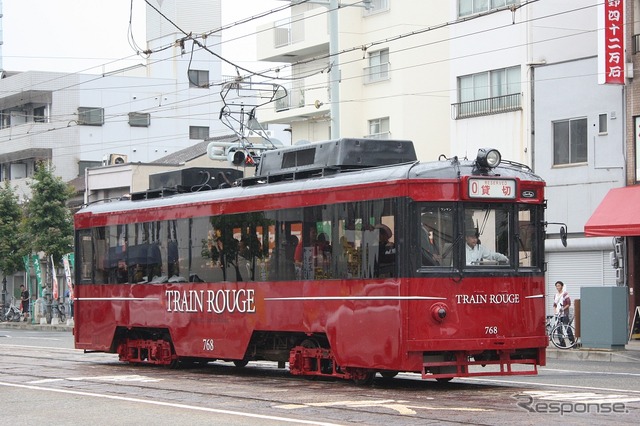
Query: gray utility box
(604,317)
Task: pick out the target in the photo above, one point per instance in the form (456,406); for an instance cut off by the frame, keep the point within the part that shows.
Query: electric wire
(375,43)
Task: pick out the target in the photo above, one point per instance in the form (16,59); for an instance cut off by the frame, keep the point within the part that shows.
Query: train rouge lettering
(497,299)
(217,301)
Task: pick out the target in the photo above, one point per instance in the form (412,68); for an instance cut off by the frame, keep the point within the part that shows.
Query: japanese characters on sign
(613,47)
(492,188)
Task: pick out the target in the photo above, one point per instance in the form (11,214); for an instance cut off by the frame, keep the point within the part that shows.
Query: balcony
(304,99)
(291,39)
(376,73)
(480,107)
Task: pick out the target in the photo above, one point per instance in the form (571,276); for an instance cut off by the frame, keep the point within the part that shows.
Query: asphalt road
(44,380)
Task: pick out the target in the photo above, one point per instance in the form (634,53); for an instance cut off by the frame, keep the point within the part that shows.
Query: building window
(570,141)
(602,124)
(376,6)
(199,78)
(378,68)
(488,92)
(469,7)
(5,119)
(90,116)
(139,119)
(39,114)
(379,128)
(198,132)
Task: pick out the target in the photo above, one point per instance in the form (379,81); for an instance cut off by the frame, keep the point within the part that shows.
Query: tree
(12,242)
(48,219)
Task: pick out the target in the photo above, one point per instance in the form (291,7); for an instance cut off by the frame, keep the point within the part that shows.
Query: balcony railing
(480,107)
(288,31)
(294,99)
(376,73)
(383,135)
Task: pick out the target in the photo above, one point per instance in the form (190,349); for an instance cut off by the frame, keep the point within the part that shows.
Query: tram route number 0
(207,344)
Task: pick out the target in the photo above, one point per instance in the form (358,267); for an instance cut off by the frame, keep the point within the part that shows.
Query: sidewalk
(631,352)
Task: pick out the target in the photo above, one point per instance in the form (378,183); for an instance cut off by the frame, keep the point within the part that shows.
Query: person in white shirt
(561,304)
(476,253)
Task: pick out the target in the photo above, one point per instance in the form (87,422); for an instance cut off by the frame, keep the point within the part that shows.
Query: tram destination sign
(492,188)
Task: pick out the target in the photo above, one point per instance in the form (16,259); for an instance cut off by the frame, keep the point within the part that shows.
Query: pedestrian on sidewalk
(24,299)
(562,303)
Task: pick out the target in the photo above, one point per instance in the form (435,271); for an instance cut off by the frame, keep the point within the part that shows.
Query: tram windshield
(480,235)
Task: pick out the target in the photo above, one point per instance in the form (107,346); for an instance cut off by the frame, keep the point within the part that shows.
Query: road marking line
(551,385)
(390,404)
(168,404)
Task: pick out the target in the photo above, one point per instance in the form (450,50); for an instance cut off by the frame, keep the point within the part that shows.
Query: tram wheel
(388,374)
(310,343)
(444,379)
(240,363)
(367,380)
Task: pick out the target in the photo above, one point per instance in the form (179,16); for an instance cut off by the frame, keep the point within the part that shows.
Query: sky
(90,36)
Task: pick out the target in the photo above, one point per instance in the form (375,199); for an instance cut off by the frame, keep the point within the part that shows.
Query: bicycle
(563,336)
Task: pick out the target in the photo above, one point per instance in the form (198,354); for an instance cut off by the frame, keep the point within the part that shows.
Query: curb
(598,355)
(36,327)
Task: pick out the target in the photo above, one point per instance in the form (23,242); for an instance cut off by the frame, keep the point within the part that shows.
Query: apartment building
(134,115)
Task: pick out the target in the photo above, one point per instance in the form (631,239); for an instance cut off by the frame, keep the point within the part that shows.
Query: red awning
(618,215)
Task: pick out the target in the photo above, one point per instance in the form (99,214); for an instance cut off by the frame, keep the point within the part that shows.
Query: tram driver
(477,253)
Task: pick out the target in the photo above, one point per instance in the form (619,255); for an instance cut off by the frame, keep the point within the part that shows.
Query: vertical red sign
(614,41)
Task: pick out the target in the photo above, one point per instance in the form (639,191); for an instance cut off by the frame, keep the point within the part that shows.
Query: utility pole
(334,61)
(334,73)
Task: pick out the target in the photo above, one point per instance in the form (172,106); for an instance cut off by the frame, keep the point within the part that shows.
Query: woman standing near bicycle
(561,303)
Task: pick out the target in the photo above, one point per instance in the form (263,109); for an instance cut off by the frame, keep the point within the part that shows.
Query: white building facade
(514,75)
(136,115)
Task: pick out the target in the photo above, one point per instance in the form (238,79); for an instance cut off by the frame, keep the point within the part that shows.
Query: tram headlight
(488,157)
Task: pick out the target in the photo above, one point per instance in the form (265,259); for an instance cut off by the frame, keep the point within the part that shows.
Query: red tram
(344,258)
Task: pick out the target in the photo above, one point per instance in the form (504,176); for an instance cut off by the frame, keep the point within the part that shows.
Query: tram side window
(243,254)
(436,235)
(85,256)
(178,241)
(231,248)
(529,236)
(366,240)
(204,257)
(100,246)
(313,255)
(287,237)
(146,254)
(487,232)
(112,254)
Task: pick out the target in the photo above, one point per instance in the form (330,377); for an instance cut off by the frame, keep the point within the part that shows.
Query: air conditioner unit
(619,249)
(117,159)
(613,260)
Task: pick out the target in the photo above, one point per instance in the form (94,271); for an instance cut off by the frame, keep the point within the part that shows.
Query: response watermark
(534,405)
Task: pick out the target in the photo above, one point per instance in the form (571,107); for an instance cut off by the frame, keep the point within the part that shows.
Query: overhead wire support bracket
(241,99)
